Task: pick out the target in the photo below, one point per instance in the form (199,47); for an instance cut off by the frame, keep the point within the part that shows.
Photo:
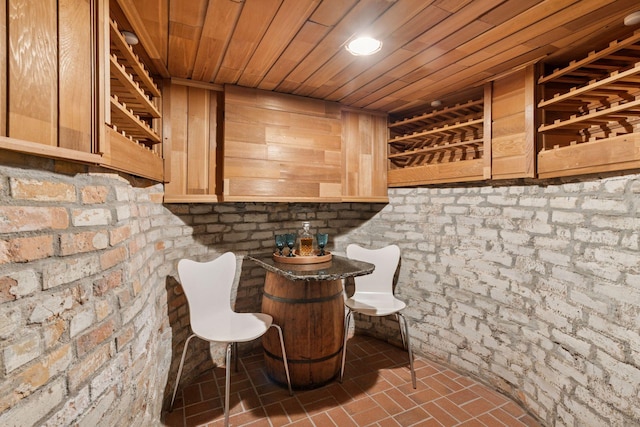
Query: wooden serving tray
(313,259)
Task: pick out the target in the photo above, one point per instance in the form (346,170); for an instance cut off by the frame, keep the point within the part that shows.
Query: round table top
(337,268)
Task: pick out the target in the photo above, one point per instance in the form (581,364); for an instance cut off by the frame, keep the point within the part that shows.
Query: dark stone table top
(337,268)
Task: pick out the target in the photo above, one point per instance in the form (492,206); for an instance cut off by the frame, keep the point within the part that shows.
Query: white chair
(373,294)
(207,286)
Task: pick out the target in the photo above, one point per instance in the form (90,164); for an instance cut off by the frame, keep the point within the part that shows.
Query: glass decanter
(306,240)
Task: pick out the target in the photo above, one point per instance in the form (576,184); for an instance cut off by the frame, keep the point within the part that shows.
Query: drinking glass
(281,240)
(291,242)
(322,239)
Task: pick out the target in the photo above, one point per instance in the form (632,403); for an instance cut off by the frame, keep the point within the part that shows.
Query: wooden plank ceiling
(432,49)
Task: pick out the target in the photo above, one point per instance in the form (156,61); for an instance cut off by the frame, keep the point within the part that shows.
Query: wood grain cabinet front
(193,136)
(47,68)
(590,112)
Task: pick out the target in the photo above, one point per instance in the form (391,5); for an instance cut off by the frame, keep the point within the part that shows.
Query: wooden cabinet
(269,147)
(76,89)
(281,147)
(442,145)
(512,118)
(132,142)
(490,137)
(364,176)
(47,69)
(193,135)
(590,113)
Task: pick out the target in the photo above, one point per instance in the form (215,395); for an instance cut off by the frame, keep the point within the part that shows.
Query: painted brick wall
(532,288)
(92,317)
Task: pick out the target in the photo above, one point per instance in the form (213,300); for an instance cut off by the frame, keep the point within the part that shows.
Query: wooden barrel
(311,315)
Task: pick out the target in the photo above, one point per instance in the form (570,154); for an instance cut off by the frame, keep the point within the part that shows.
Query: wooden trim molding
(38,149)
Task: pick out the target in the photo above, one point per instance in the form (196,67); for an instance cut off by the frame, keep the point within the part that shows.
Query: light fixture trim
(632,19)
(130,38)
(364,45)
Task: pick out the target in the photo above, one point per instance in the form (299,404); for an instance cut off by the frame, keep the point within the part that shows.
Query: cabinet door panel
(364,137)
(32,72)
(512,128)
(192,113)
(76,80)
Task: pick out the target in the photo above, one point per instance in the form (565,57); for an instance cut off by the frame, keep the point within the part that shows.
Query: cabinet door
(513,125)
(281,148)
(49,72)
(364,161)
(192,133)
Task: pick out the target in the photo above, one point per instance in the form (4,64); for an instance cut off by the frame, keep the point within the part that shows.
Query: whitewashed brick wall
(533,288)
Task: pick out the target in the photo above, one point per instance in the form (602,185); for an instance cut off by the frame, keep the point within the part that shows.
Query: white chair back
(207,286)
(386,261)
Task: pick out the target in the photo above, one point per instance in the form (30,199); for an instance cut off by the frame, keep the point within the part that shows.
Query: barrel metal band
(321,359)
(302,301)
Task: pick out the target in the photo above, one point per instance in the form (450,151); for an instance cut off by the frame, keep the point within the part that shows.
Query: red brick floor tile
(401,399)
(473,422)
(369,416)
(478,406)
(443,417)
(388,422)
(412,416)
(277,415)
(505,417)
(322,419)
(489,420)
(340,417)
(390,406)
(461,397)
(376,391)
(359,405)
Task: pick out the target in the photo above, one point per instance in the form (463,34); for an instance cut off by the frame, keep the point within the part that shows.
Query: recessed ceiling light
(364,46)
(632,19)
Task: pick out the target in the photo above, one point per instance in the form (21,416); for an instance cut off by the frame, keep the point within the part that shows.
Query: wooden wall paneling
(513,125)
(3,67)
(75,22)
(250,29)
(221,17)
(187,18)
(288,20)
(33,78)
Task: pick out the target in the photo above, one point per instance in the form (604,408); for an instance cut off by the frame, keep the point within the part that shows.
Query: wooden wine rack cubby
(134,125)
(445,145)
(590,113)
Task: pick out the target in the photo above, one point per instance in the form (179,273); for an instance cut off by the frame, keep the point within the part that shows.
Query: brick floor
(376,392)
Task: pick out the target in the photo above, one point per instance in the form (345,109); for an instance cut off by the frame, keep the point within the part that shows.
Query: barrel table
(306,301)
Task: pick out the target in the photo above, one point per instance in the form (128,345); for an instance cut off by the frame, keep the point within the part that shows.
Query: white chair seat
(374,303)
(233,327)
